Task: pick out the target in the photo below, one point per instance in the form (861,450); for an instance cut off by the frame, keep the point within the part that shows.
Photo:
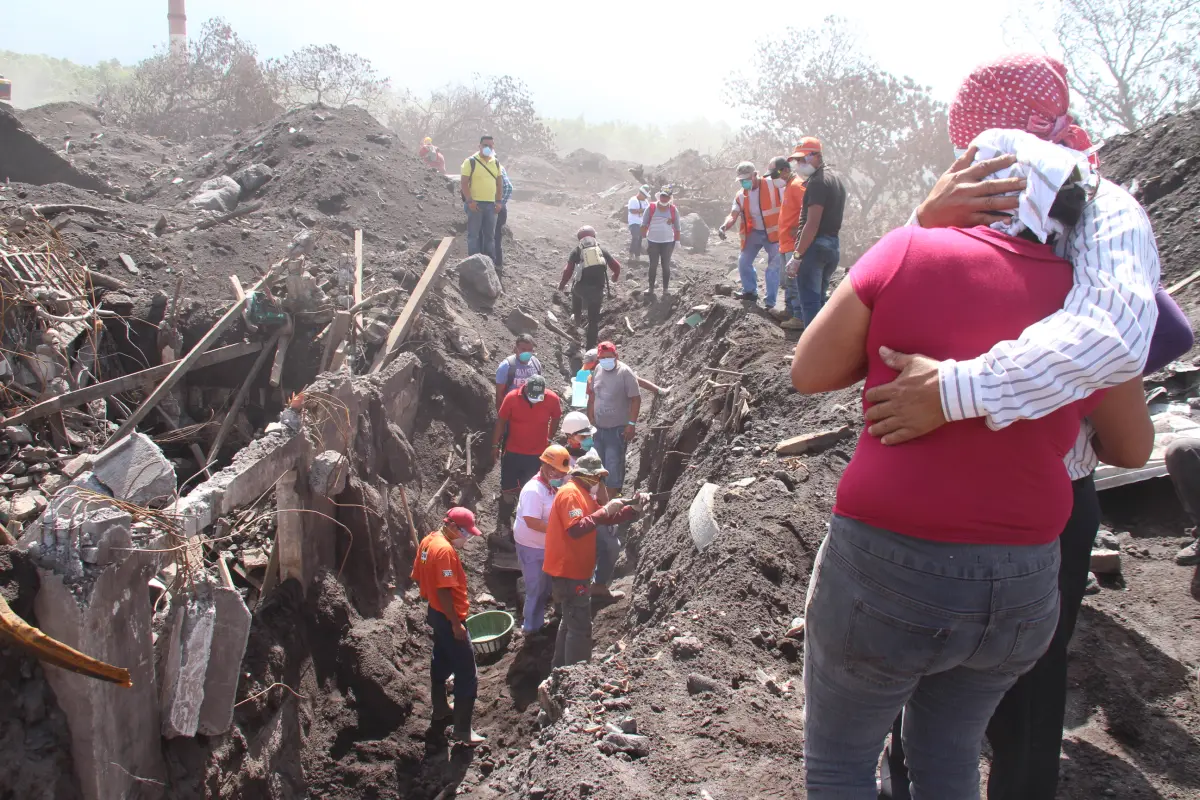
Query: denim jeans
(498,250)
(452,657)
(757,240)
(812,283)
(635,240)
(608,549)
(537,586)
(1026,728)
(574,641)
(481,230)
(660,253)
(610,444)
(940,629)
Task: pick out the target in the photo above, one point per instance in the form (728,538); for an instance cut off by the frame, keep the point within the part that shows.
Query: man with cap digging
(571,552)
(439,573)
(818,248)
(756,209)
(528,416)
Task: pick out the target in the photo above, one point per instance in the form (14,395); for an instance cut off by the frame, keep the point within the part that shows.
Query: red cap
(463,519)
(809,144)
(606,347)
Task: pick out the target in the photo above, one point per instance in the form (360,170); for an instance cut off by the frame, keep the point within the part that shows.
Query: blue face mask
(608,364)
(557,482)
(487,151)
(586,444)
(747,183)
(524,357)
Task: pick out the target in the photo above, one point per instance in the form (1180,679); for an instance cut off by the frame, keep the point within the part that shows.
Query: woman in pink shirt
(936,587)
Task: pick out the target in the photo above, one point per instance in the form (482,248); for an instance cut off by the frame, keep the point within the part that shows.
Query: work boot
(443,710)
(464,710)
(751,297)
(1189,556)
(604,594)
(780,314)
(793,324)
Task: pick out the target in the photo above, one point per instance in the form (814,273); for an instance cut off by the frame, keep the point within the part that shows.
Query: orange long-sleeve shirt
(789,215)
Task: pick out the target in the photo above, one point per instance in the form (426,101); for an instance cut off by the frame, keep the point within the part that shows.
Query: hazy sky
(651,61)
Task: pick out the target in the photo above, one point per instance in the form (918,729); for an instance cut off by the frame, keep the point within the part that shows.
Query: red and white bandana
(1026,92)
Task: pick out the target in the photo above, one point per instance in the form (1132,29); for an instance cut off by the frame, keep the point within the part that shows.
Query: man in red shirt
(527,418)
(570,558)
(439,573)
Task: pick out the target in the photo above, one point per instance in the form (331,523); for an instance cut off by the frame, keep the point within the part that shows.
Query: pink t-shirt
(953,293)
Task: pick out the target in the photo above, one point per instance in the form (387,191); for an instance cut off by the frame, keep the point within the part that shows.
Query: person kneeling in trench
(571,552)
(438,571)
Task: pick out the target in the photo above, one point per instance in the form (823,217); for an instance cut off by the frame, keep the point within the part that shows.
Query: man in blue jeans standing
(817,249)
(755,210)
(482,190)
(614,402)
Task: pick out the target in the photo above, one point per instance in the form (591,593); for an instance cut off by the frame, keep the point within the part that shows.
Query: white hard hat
(576,423)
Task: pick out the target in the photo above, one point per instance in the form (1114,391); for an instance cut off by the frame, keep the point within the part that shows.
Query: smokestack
(177,20)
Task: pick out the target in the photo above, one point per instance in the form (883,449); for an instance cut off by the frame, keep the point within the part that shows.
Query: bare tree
(1131,61)
(456,116)
(886,135)
(219,86)
(326,74)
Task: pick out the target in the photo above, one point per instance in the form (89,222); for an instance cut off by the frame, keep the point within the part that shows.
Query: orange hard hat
(807,146)
(557,456)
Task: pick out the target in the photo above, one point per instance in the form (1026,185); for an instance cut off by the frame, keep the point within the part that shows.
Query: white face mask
(805,169)
(535,400)
(780,183)
(487,151)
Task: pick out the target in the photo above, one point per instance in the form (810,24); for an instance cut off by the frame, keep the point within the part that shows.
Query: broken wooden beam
(358,278)
(52,651)
(125,383)
(181,367)
(412,528)
(812,442)
(1184,282)
(50,209)
(409,315)
(240,398)
(285,339)
(105,281)
(337,332)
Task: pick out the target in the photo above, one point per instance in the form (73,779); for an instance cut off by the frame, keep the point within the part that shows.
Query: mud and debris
(263,518)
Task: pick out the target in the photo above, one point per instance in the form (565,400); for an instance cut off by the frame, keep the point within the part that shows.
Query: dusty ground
(351,718)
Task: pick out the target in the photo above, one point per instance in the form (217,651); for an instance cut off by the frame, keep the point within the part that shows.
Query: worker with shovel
(594,262)
(439,573)
(571,552)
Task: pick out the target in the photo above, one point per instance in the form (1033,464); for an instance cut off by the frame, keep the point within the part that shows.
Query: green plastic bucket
(490,631)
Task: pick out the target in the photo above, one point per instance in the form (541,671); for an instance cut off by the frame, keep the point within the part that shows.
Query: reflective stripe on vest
(770,211)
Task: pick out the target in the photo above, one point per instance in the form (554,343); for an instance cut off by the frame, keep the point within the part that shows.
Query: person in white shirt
(529,531)
(636,209)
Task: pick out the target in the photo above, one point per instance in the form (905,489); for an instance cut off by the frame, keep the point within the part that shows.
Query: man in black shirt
(591,279)
(817,248)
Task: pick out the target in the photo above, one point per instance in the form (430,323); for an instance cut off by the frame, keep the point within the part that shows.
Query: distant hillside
(38,79)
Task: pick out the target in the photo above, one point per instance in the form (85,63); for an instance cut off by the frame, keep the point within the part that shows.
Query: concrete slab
(135,470)
(185,662)
(115,732)
(231,630)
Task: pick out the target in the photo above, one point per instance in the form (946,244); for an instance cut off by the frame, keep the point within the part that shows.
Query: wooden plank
(285,339)
(358,278)
(239,399)
(337,332)
(134,380)
(812,442)
(409,315)
(338,358)
(181,367)
(1184,282)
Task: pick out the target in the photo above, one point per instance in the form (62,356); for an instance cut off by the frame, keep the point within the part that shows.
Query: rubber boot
(464,710)
(443,711)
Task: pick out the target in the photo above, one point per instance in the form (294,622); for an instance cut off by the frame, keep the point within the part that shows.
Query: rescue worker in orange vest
(756,209)
(439,573)
(570,557)
(789,226)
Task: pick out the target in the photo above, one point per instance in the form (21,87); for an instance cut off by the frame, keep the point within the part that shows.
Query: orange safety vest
(769,201)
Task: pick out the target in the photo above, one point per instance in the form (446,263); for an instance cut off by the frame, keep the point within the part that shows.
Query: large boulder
(693,233)
(478,274)
(253,177)
(218,194)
